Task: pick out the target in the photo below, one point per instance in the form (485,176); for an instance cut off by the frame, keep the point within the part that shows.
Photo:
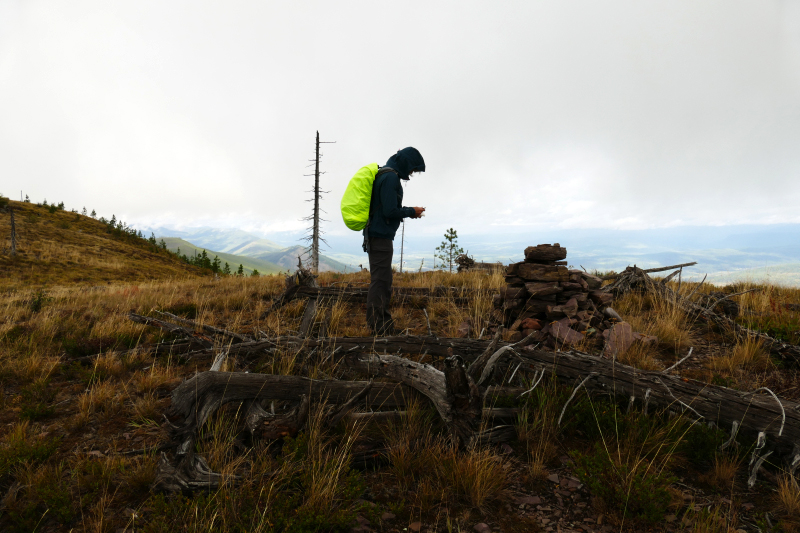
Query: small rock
(506,448)
(529,500)
(618,339)
(388,516)
(531,323)
(545,521)
(463,329)
(482,528)
(96,453)
(415,526)
(362,521)
(747,506)
(553,478)
(589,520)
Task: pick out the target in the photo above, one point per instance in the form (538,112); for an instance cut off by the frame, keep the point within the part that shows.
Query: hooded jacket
(386,209)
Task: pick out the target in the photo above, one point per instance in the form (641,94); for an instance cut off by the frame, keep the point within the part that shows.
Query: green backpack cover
(357,196)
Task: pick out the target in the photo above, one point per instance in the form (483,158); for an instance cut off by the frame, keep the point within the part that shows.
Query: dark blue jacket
(386,206)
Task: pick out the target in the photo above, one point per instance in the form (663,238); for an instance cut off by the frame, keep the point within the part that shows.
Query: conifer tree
(93,214)
(84,211)
(449,249)
(240,272)
(254,273)
(215,264)
(151,239)
(27,199)
(227,269)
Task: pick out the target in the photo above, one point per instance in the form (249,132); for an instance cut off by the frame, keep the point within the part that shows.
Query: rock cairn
(543,295)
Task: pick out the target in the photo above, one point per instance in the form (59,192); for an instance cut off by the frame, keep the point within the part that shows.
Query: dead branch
(205,327)
(651,270)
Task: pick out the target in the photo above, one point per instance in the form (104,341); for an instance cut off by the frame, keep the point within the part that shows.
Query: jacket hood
(406,161)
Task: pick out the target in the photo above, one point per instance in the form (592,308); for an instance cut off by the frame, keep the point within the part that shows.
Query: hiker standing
(386,212)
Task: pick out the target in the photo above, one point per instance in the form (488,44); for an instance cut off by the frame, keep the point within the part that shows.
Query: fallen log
(772,422)
(207,328)
(172,328)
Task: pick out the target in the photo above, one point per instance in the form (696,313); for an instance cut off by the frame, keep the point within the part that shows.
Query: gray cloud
(568,114)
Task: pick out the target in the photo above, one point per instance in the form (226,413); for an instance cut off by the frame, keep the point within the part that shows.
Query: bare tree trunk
(315,231)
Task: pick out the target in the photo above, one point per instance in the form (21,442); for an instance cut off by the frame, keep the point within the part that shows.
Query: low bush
(629,486)
(21,446)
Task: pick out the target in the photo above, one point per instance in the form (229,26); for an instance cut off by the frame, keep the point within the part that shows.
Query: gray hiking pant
(380,286)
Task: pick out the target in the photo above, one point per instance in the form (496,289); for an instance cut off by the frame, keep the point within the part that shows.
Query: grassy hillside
(61,247)
(248,263)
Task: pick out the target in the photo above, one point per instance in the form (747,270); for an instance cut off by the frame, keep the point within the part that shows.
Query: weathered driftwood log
(453,393)
(777,421)
(436,347)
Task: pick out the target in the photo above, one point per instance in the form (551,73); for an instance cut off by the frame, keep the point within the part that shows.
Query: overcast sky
(540,113)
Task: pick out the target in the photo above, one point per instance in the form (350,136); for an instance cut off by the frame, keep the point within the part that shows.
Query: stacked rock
(543,294)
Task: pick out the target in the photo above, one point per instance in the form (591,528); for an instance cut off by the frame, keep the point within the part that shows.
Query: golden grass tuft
(641,355)
(787,499)
(747,354)
(723,472)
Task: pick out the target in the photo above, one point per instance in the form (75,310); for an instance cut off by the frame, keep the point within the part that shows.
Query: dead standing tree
(316,233)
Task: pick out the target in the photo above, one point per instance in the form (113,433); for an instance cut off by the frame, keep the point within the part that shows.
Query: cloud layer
(547,114)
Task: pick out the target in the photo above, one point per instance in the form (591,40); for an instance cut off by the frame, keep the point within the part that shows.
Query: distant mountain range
(726,253)
(240,247)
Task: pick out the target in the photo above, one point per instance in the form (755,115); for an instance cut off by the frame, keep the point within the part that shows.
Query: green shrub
(19,446)
(36,399)
(48,498)
(632,486)
(38,300)
(700,444)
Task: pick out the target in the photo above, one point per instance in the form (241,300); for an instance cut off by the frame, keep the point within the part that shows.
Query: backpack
(357,196)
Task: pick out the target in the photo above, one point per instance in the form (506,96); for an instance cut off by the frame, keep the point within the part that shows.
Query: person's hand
(418,212)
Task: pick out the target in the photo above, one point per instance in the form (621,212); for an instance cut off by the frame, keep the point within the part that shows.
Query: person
(386,212)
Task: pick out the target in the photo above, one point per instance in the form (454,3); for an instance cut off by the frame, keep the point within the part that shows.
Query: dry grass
(112,404)
(641,355)
(748,354)
(658,316)
(723,472)
(787,501)
(537,429)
